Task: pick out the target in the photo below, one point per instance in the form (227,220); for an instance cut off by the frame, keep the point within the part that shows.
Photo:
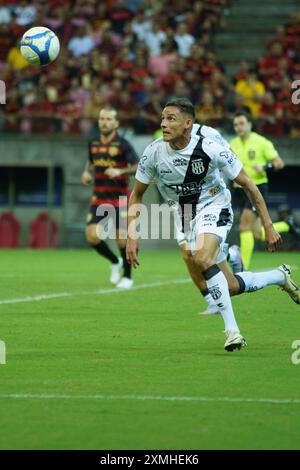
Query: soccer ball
(39,46)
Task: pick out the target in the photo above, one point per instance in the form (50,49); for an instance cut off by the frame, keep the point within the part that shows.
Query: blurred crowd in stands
(135,54)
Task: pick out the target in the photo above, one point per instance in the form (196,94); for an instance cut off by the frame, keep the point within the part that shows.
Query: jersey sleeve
(224,159)
(216,136)
(269,150)
(129,153)
(146,170)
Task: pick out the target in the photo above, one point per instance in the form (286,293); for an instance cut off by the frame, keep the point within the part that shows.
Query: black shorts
(241,201)
(117,214)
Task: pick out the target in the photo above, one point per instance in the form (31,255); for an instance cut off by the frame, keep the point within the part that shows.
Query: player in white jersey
(189,170)
(232,254)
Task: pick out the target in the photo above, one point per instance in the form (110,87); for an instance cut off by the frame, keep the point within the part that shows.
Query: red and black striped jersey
(118,153)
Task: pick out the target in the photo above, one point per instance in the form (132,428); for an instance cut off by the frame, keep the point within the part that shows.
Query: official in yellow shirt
(257,155)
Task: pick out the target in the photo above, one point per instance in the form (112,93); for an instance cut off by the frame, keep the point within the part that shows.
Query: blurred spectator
(270,116)
(243,71)
(184,40)
(141,25)
(207,112)
(119,15)
(82,43)
(159,64)
(15,58)
(7,41)
(154,39)
(252,90)
(25,13)
(5,15)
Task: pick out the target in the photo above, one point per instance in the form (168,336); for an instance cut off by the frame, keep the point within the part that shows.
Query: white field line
(38,298)
(54,396)
(114,290)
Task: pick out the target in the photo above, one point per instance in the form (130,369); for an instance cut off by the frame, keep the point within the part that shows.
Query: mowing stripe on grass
(51,396)
(38,298)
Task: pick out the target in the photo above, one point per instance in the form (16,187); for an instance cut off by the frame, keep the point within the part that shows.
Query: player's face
(107,122)
(242,126)
(174,124)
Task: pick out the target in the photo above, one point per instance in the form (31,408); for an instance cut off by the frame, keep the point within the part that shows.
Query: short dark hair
(245,113)
(111,109)
(184,104)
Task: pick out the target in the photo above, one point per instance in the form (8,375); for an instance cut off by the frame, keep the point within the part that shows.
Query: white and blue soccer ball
(39,46)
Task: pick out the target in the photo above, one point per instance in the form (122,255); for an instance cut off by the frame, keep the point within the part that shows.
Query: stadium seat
(40,231)
(9,231)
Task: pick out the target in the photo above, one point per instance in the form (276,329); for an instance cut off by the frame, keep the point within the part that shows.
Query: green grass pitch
(99,369)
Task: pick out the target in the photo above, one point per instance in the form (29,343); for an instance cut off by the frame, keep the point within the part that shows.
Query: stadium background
(134,55)
(90,367)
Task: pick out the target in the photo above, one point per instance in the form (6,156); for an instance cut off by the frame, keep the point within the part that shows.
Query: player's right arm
(273,239)
(87,174)
(135,201)
(144,175)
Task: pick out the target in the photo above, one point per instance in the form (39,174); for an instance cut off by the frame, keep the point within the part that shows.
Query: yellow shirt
(16,60)
(254,151)
(248,92)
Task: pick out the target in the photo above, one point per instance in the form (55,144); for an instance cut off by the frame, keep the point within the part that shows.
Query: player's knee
(187,257)
(91,237)
(203,260)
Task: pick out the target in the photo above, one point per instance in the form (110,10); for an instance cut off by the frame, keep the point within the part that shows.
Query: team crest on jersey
(251,154)
(113,151)
(214,191)
(198,167)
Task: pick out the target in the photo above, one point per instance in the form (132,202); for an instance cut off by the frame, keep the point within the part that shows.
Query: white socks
(208,298)
(218,288)
(255,281)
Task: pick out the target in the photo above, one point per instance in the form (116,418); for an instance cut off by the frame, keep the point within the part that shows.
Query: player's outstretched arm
(115,172)
(273,239)
(135,201)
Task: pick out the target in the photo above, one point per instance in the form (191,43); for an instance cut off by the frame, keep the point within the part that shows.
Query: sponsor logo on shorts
(209,218)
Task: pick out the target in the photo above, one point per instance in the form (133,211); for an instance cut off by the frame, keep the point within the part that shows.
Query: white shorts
(212,219)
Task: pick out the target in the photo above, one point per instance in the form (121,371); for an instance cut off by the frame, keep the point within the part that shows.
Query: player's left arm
(114,172)
(273,239)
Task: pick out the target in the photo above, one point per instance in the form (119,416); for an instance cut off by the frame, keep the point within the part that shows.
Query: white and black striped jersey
(211,133)
(192,176)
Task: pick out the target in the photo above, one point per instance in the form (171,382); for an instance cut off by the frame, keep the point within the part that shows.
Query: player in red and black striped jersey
(111,160)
